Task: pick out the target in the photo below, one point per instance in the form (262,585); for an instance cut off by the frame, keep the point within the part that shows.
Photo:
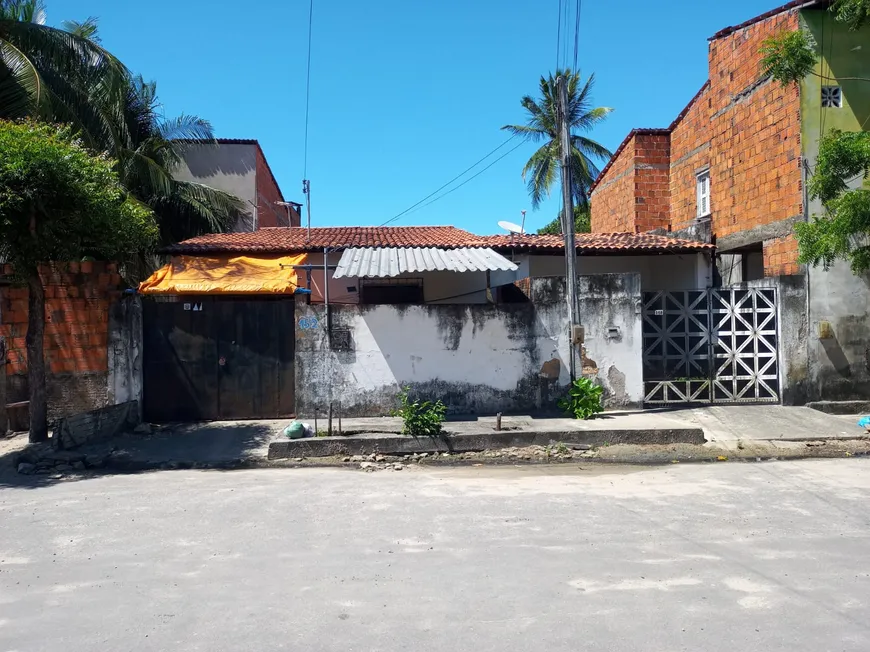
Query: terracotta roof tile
(598,243)
(282,239)
(285,240)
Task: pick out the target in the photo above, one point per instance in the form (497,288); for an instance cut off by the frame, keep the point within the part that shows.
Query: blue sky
(405,95)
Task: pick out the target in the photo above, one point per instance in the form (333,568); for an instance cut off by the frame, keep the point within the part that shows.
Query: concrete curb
(463,443)
(841,407)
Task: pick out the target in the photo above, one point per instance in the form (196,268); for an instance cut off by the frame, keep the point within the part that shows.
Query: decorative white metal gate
(710,346)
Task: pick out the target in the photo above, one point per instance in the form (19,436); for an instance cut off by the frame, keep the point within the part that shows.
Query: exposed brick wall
(780,256)
(756,163)
(744,128)
(77,301)
(268,212)
(690,152)
(613,200)
(651,186)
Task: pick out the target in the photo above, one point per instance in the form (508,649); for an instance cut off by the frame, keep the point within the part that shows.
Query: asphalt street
(717,557)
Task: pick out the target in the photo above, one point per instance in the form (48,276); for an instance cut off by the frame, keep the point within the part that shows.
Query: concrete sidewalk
(246,443)
(719,423)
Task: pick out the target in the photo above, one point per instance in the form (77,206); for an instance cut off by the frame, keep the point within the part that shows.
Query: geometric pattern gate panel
(710,346)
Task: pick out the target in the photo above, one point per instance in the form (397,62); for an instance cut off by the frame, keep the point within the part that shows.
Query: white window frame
(702,194)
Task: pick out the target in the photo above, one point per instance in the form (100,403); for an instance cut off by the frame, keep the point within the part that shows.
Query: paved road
(729,557)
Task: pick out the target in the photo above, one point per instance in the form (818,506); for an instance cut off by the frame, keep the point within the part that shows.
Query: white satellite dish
(511,227)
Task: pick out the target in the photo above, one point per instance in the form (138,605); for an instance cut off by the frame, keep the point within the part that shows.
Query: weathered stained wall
(477,359)
(610,312)
(125,352)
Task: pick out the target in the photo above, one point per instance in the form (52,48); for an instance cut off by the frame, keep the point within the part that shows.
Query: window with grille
(703,185)
(832,97)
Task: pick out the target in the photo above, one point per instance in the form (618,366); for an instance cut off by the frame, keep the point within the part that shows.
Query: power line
(471,177)
(308,89)
(577,34)
(559,33)
(465,171)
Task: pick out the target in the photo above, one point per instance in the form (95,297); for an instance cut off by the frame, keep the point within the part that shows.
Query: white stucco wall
(475,358)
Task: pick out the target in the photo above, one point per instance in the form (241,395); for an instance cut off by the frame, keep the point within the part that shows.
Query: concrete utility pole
(575,332)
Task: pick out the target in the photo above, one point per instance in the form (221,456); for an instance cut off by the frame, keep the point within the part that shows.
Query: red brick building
(729,164)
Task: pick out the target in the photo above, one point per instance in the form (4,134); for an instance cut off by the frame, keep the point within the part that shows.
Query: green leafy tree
(66,76)
(582,223)
(54,74)
(58,202)
(843,231)
(542,126)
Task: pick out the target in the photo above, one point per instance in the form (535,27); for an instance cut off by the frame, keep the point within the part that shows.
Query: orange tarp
(225,274)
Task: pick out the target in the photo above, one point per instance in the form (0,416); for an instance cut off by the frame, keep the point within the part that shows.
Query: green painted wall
(839,365)
(843,53)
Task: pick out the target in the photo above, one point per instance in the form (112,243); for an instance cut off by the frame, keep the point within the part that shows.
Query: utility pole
(575,333)
(306,190)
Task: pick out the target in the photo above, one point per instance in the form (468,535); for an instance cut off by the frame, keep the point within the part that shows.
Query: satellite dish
(511,227)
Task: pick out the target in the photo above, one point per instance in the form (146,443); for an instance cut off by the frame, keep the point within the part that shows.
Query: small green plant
(419,418)
(583,400)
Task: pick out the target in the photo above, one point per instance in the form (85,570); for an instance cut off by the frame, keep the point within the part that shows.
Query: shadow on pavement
(220,446)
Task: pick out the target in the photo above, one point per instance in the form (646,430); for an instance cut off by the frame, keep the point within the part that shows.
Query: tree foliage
(788,57)
(542,126)
(66,76)
(58,202)
(843,163)
(855,13)
(582,223)
(843,232)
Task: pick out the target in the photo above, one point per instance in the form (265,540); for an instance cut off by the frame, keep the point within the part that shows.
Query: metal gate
(710,346)
(208,358)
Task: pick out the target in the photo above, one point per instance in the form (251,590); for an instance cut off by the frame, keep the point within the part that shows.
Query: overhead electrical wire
(458,176)
(577,34)
(474,176)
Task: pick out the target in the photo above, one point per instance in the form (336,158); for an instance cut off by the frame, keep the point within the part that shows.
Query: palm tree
(53,74)
(542,168)
(66,76)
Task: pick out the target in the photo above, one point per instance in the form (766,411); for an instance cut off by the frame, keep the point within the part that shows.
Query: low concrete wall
(125,351)
(389,444)
(94,426)
(477,359)
(838,342)
(610,312)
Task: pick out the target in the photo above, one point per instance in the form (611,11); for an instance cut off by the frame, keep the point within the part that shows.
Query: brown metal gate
(210,358)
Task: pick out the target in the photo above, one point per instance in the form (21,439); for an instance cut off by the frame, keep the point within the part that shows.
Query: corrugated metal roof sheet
(392,261)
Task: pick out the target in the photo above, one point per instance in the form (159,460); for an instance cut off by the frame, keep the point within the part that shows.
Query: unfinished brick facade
(744,130)
(77,301)
(635,194)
